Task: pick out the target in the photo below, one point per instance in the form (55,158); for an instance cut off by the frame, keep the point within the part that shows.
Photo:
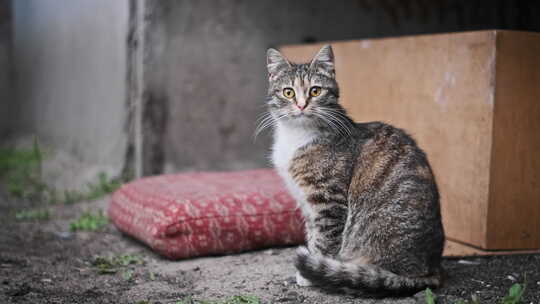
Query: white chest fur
(287,140)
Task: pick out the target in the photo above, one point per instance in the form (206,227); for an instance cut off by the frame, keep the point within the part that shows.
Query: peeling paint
(365,44)
(492,70)
(441,96)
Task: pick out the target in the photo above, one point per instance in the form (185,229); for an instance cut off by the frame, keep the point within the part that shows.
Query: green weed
(240,299)
(111,265)
(102,187)
(89,222)
(247,299)
(515,295)
(430,297)
(95,190)
(104,266)
(127,274)
(33,215)
(20,169)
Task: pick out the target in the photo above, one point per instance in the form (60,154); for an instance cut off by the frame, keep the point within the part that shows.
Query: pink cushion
(195,214)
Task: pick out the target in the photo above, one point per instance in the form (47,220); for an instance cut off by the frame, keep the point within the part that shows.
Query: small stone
(289,281)
(64,235)
(468,262)
(293,294)
(511,278)
(420,296)
(46,280)
(287,299)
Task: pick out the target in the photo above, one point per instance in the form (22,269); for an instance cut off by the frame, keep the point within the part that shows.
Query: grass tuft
(239,299)
(33,215)
(89,222)
(430,297)
(515,295)
(111,265)
(20,169)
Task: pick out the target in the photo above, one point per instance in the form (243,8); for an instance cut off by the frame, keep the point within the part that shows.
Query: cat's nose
(301,105)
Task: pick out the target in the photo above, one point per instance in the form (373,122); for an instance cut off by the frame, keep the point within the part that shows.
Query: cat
(366,190)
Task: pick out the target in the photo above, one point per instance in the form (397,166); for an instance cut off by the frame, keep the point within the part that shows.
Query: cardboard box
(472,102)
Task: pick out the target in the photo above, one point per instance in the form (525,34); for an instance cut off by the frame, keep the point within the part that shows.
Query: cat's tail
(334,275)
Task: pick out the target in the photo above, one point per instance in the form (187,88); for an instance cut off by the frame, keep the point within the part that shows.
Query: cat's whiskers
(267,120)
(330,122)
(264,122)
(344,124)
(326,115)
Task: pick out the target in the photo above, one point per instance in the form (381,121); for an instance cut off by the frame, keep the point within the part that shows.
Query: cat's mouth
(301,114)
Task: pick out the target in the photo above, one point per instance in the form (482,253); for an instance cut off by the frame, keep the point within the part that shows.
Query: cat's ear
(324,61)
(275,61)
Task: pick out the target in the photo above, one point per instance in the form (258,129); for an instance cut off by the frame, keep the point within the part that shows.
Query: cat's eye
(315,91)
(288,92)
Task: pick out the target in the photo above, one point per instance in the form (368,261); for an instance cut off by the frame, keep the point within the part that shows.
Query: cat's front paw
(301,281)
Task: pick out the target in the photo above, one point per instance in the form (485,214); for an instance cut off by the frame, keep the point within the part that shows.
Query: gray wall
(206,67)
(205,75)
(70,59)
(6,72)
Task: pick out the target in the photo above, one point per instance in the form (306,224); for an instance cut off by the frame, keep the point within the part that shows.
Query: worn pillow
(197,214)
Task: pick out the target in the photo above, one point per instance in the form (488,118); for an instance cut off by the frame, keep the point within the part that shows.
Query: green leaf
(127,275)
(241,299)
(37,214)
(430,297)
(514,294)
(89,222)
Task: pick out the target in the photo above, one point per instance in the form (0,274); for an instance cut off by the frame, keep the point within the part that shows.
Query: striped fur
(350,277)
(366,190)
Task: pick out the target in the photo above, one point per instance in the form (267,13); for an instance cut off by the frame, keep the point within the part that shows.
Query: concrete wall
(206,63)
(6,68)
(204,71)
(70,59)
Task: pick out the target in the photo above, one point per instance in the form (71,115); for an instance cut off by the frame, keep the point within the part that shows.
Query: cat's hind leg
(325,228)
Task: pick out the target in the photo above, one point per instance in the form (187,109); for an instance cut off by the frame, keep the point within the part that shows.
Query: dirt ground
(42,262)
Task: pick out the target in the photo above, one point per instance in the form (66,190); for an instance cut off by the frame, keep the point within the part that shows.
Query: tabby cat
(366,190)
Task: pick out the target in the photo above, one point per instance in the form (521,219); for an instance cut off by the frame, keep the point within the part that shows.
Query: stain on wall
(6,76)
(70,62)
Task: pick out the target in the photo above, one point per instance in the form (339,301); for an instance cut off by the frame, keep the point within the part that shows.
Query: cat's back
(388,157)
(392,185)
